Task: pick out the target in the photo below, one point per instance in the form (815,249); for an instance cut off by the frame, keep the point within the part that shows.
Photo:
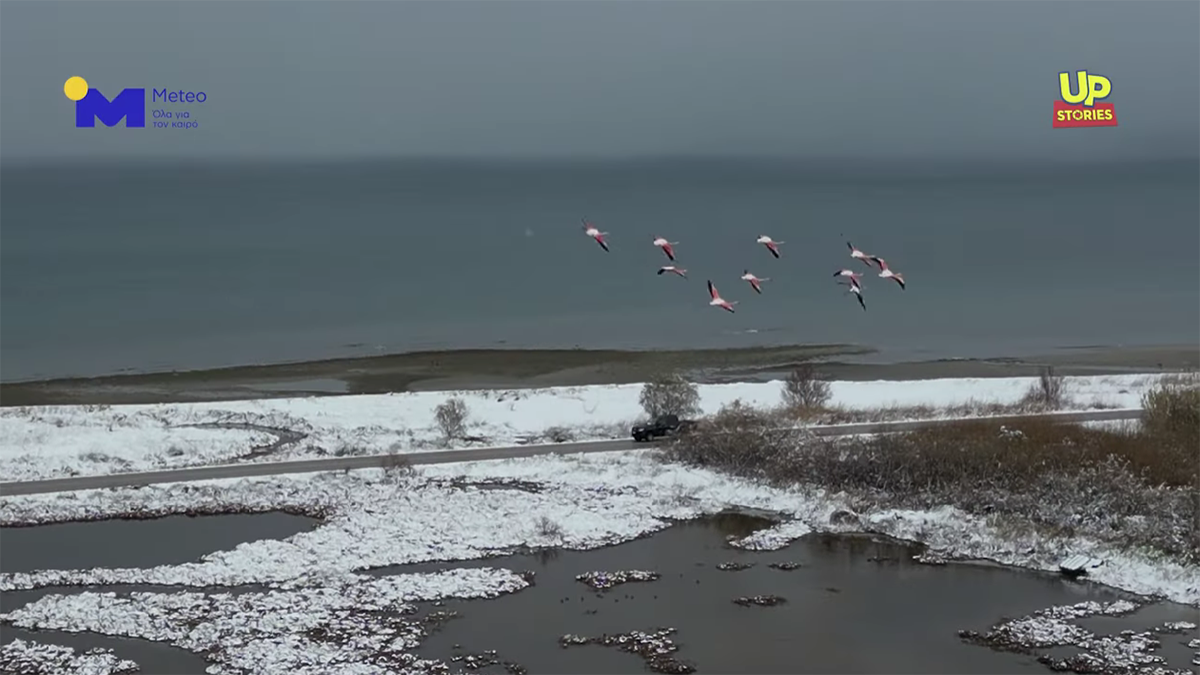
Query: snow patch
(40,442)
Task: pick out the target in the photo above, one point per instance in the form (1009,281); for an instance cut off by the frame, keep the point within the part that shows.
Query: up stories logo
(1079,106)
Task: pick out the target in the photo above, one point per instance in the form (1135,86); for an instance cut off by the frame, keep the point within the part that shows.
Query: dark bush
(670,394)
(452,418)
(1137,487)
(803,389)
(739,439)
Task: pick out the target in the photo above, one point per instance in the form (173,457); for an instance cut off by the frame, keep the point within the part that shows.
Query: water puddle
(138,543)
(854,604)
(152,657)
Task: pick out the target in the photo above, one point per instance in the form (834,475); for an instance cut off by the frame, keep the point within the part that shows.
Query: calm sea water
(113,269)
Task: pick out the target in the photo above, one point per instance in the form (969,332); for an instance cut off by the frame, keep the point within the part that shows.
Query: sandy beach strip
(508,369)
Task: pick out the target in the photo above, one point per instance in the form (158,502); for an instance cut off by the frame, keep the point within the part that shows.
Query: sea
(111,268)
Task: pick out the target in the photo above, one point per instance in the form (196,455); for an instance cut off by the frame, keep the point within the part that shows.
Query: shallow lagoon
(138,543)
(129,543)
(855,604)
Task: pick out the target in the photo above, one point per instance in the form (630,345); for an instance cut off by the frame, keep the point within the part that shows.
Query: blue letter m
(130,104)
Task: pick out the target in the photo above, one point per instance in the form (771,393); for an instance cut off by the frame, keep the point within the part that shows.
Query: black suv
(664,425)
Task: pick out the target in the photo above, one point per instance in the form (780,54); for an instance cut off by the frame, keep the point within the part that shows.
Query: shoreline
(520,369)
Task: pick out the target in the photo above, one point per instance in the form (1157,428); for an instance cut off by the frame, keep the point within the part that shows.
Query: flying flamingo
(718,301)
(666,247)
(887,273)
(674,270)
(855,277)
(772,246)
(859,255)
(857,291)
(754,281)
(591,231)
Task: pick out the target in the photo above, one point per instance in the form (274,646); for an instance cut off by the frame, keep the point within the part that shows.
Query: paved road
(474,455)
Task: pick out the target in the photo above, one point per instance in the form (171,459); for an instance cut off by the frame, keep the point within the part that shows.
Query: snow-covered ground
(57,441)
(22,657)
(359,625)
(324,616)
(591,501)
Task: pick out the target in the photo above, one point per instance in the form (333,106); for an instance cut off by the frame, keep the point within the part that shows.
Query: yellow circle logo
(76,88)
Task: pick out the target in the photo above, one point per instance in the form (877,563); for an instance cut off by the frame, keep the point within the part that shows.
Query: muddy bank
(474,369)
(507,369)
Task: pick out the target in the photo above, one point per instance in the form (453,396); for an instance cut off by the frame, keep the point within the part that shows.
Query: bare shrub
(548,528)
(452,418)
(804,389)
(1048,392)
(670,394)
(559,435)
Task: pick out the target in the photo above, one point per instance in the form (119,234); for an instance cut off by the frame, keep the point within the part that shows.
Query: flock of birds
(854,285)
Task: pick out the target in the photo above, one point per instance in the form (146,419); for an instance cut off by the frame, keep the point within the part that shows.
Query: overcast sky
(811,79)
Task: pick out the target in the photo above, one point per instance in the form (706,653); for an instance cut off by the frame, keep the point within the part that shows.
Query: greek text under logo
(1079,106)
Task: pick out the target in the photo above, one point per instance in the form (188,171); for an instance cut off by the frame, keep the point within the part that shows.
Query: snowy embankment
(41,442)
(21,657)
(357,625)
(436,514)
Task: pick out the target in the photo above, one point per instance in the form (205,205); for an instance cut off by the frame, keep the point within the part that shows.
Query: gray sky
(560,77)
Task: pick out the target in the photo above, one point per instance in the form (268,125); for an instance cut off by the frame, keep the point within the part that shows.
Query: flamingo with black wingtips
(665,245)
(755,282)
(887,273)
(717,300)
(595,233)
(771,244)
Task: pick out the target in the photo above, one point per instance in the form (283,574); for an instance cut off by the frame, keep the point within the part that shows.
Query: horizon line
(18,162)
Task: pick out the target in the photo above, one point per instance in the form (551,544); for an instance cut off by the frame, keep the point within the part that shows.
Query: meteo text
(179,96)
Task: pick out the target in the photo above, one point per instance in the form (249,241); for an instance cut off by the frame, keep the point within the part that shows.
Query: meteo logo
(129,105)
(1081,109)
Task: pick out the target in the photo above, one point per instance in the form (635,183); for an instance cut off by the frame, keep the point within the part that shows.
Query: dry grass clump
(1138,486)
(806,396)
(840,415)
(1172,409)
(738,438)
